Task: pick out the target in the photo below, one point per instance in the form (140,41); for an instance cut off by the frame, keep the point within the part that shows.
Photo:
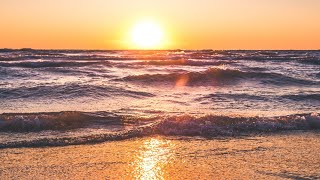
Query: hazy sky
(190,24)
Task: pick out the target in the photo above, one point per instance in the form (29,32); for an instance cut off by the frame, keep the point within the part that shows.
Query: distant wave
(68,91)
(313,61)
(62,56)
(305,57)
(214,76)
(303,97)
(43,64)
(183,62)
(166,57)
(207,126)
(223,96)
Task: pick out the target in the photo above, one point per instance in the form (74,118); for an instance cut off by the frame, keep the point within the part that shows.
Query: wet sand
(293,155)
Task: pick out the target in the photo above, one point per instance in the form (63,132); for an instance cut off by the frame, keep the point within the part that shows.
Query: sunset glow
(203,24)
(167,89)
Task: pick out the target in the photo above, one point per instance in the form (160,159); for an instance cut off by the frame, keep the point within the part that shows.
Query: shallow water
(63,97)
(281,156)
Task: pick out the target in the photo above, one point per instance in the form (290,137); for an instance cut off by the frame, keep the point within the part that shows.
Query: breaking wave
(208,126)
(34,122)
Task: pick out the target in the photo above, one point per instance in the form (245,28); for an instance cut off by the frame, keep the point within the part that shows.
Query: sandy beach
(159,90)
(291,155)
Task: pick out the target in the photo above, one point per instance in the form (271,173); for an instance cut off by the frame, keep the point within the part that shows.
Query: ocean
(72,97)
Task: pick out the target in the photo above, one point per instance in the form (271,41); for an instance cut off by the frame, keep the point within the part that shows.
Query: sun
(147,35)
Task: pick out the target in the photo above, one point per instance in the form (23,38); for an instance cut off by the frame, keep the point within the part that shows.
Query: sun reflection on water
(154,155)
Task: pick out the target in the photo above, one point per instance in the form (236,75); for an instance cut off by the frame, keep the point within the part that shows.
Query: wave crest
(207,126)
(212,126)
(27,122)
(213,76)
(70,90)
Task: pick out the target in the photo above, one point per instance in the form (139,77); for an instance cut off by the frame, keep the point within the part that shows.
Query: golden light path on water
(154,155)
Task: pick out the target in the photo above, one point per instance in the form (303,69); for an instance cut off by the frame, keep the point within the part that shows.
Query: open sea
(69,97)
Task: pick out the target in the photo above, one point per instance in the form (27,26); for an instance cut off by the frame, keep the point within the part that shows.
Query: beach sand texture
(283,156)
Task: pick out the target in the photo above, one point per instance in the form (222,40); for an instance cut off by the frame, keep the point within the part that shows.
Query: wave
(212,126)
(208,126)
(43,64)
(66,91)
(61,56)
(214,76)
(183,62)
(223,96)
(303,97)
(279,56)
(312,61)
(32,122)
(197,54)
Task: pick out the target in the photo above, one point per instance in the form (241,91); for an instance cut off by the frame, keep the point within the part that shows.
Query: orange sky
(187,24)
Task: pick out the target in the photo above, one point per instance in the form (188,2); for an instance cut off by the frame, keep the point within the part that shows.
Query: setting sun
(159,89)
(147,35)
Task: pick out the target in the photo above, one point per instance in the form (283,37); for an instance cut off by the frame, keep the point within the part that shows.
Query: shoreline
(276,156)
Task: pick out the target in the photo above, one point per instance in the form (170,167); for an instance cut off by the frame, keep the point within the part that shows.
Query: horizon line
(175,49)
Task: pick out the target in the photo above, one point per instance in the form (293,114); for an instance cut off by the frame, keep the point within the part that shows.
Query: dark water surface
(60,97)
